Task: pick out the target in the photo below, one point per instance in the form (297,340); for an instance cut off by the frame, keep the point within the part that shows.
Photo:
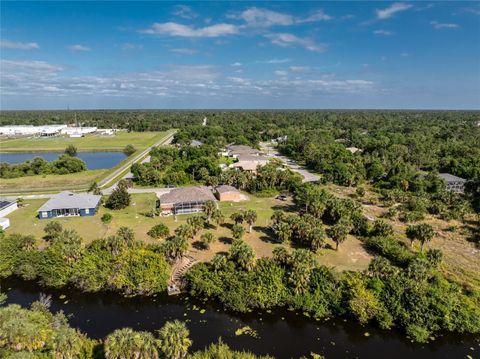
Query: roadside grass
(44,183)
(351,255)
(74,181)
(88,143)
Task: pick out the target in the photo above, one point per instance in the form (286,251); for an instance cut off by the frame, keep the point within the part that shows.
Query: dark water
(282,334)
(94,160)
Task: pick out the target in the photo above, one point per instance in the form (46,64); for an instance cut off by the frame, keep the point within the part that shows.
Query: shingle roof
(187,194)
(71,200)
(451,178)
(4,203)
(225,188)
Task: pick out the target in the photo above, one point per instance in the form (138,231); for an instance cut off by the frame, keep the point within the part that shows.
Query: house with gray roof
(453,183)
(185,200)
(66,204)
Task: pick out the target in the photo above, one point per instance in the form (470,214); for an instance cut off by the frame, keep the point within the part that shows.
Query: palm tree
(197,223)
(237,231)
(277,217)
(127,344)
(302,264)
(206,239)
(317,208)
(209,207)
(316,238)
(94,189)
(184,231)
(237,217)
(242,254)
(338,233)
(218,217)
(283,231)
(174,340)
(68,343)
(250,216)
(423,232)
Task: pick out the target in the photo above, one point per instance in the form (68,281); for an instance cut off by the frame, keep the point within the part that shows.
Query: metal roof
(71,200)
(4,203)
(451,178)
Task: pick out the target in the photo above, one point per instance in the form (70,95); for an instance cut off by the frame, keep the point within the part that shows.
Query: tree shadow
(199,245)
(227,225)
(268,236)
(225,240)
(291,207)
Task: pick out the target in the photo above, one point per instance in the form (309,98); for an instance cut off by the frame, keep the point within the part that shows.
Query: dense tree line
(65,164)
(36,332)
(118,263)
(415,297)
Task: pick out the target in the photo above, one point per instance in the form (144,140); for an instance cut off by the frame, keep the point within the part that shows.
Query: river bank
(280,333)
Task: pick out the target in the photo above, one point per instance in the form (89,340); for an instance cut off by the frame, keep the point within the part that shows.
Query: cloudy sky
(122,54)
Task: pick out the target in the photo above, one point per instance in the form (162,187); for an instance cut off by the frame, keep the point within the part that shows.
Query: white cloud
(382,32)
(260,17)
(78,47)
(236,64)
(38,79)
(130,46)
(7,44)
(184,51)
(392,10)
(276,61)
(319,15)
(185,12)
(299,68)
(287,40)
(175,29)
(438,25)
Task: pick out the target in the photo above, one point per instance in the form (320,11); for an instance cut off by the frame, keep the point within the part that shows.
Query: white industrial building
(29,130)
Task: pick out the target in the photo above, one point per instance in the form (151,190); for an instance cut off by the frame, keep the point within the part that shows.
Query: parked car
(282,197)
(170,186)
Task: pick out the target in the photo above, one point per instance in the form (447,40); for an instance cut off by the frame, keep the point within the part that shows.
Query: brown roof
(188,194)
(225,188)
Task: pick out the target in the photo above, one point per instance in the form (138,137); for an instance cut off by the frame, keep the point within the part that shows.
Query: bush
(119,199)
(129,150)
(390,248)
(159,231)
(106,218)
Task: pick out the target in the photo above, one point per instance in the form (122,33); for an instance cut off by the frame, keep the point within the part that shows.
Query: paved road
(273,152)
(140,157)
(137,158)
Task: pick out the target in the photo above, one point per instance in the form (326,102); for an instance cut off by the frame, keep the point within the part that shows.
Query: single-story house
(4,223)
(250,163)
(7,207)
(228,193)
(185,200)
(70,204)
(453,183)
(238,150)
(196,143)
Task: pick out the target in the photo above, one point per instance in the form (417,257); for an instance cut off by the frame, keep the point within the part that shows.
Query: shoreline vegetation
(384,167)
(41,333)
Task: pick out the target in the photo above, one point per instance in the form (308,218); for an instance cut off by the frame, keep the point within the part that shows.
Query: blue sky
(416,54)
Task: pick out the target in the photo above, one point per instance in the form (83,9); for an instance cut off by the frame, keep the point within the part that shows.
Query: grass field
(74,181)
(351,255)
(89,143)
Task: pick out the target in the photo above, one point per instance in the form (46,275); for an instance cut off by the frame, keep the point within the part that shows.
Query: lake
(94,160)
(281,333)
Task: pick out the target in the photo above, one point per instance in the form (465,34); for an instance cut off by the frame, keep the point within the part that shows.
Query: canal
(280,333)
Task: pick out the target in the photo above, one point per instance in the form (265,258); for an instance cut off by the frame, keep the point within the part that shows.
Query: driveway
(295,167)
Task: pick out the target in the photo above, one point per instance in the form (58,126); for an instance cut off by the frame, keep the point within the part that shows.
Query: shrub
(119,199)
(106,218)
(159,231)
(129,150)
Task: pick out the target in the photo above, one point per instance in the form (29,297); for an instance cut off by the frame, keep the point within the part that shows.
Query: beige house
(185,200)
(228,193)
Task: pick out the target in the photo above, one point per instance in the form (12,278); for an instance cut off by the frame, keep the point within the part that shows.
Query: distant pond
(94,160)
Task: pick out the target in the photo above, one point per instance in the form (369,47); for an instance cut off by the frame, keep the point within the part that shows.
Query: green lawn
(351,255)
(89,143)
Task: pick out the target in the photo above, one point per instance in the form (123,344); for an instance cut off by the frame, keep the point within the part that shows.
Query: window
(87,210)
(44,214)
